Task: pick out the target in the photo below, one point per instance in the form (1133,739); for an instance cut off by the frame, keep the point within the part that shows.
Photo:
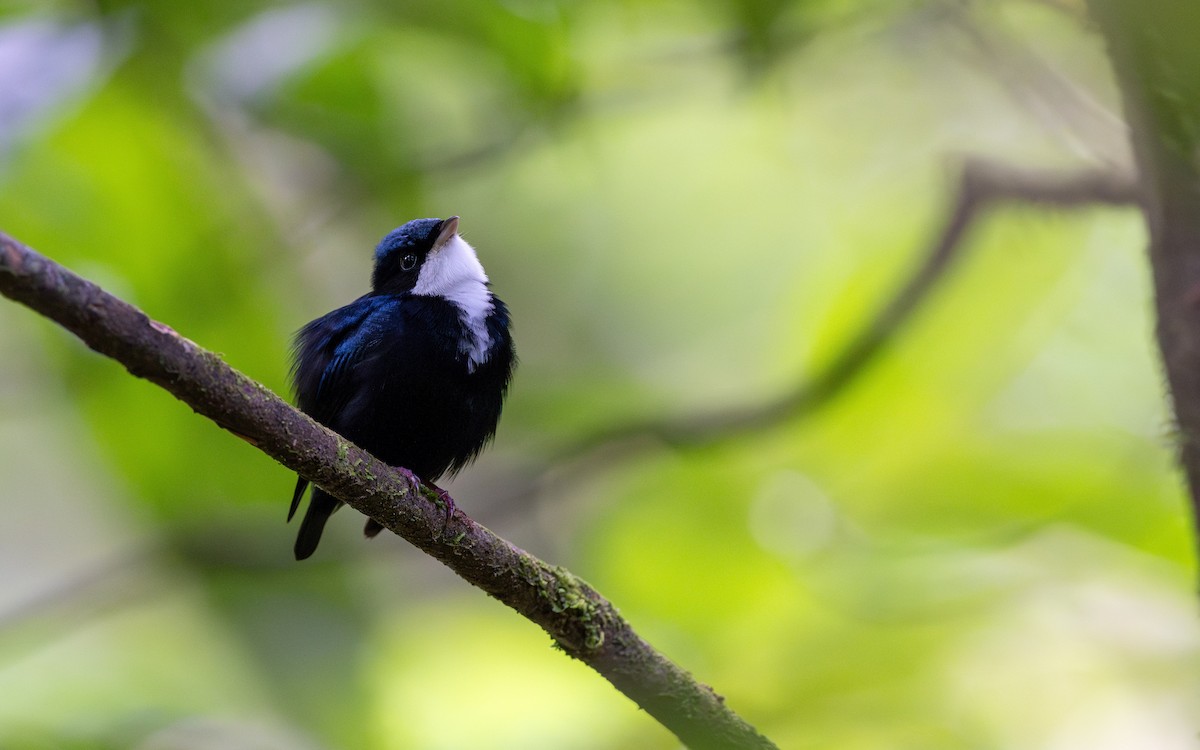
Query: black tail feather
(320,507)
(301,485)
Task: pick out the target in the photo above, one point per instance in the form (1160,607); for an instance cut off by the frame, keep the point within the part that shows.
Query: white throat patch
(455,273)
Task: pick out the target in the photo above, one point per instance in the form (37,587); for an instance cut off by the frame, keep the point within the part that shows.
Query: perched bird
(415,371)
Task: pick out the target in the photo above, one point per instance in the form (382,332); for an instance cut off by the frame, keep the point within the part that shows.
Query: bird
(415,371)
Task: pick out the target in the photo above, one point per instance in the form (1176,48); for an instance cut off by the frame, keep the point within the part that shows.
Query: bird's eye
(409,263)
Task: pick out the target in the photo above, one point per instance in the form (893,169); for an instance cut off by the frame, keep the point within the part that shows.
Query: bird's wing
(325,353)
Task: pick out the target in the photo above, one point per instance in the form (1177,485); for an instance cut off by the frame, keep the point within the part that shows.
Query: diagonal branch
(582,623)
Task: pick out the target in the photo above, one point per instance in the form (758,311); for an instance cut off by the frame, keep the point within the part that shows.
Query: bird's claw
(447,503)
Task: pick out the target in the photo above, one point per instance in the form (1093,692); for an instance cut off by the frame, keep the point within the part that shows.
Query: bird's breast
(473,338)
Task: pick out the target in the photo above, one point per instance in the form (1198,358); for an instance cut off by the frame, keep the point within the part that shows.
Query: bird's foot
(447,501)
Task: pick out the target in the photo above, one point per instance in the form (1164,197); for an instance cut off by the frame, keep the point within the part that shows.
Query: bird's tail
(320,507)
(301,486)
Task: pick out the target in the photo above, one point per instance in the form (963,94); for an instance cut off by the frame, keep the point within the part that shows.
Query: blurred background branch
(982,186)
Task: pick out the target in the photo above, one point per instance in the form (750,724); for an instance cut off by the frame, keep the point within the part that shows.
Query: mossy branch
(582,623)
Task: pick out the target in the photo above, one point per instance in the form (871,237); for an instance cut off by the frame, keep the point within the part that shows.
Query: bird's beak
(449,229)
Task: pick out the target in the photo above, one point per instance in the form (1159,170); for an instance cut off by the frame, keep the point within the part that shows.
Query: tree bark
(1154,52)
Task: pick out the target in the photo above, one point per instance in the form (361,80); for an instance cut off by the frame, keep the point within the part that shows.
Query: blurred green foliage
(689,206)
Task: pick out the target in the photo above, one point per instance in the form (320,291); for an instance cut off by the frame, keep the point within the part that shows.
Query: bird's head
(427,257)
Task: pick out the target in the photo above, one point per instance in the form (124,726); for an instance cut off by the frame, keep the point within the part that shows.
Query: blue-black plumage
(415,371)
